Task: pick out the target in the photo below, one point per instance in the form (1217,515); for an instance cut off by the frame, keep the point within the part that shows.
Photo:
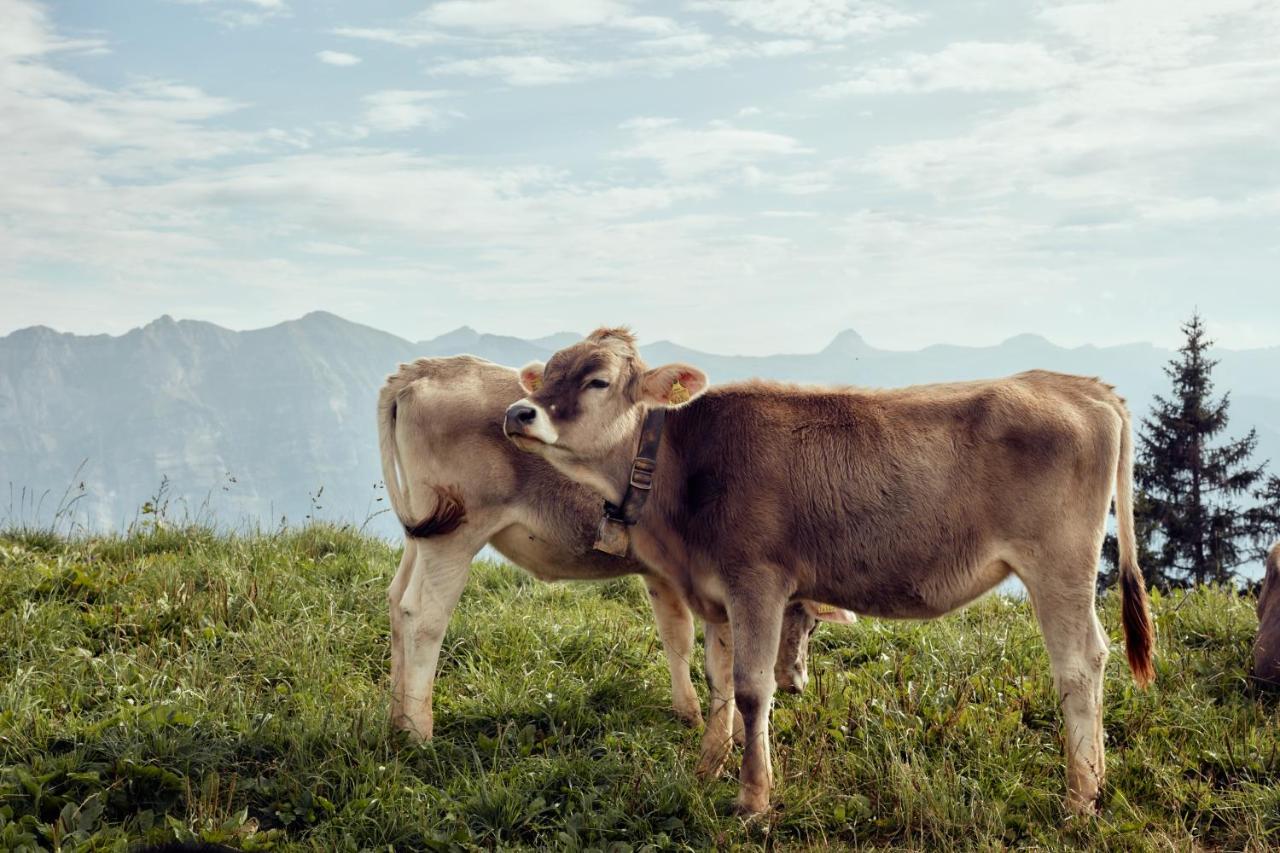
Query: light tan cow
(1266,648)
(903,503)
(456,483)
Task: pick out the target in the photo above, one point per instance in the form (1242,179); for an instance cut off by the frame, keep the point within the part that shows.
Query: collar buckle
(642,473)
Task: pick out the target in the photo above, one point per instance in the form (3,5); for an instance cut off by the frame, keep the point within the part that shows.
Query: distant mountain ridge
(288,409)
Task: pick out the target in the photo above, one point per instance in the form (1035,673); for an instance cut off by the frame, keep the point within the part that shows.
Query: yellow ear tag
(823,609)
(535,383)
(679,394)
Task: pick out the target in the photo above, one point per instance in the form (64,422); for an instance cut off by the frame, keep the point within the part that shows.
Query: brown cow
(905,503)
(1266,648)
(455,483)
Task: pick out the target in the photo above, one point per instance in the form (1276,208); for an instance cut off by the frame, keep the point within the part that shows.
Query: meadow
(182,684)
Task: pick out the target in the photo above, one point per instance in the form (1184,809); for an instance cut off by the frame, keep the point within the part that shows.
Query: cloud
(521,15)
(1155,116)
(800,182)
(827,20)
(525,70)
(143,180)
(401,37)
(240,13)
(541,70)
(333,250)
(646,123)
(566,41)
(335,57)
(688,152)
(404,109)
(961,67)
(28,33)
(507,22)
(789,214)
(1125,141)
(373,192)
(77,160)
(1107,140)
(1166,34)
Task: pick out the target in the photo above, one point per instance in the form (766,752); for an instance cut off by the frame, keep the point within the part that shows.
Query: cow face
(791,670)
(584,406)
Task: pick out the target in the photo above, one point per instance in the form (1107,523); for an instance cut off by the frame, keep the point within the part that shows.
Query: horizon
(466,327)
(744,176)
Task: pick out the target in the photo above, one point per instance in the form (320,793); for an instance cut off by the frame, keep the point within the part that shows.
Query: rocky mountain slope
(251,425)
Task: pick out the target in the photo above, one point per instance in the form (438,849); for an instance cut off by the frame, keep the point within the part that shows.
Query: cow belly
(549,560)
(921,592)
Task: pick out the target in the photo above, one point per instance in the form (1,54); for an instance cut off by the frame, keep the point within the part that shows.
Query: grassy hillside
(180,684)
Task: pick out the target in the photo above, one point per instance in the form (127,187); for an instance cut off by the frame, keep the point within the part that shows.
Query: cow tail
(1139,633)
(450,511)
(390,453)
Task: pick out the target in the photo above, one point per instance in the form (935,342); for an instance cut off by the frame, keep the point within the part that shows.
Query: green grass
(182,684)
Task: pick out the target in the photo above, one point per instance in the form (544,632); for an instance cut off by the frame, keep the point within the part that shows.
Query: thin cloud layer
(752,175)
(337,57)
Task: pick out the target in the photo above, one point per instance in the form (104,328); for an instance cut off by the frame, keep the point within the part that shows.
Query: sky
(741,176)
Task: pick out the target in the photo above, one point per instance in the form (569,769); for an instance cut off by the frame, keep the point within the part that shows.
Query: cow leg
(675,628)
(394,593)
(1077,647)
(756,619)
(440,571)
(739,727)
(717,739)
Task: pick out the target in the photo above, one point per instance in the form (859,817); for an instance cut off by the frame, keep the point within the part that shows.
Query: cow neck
(614,533)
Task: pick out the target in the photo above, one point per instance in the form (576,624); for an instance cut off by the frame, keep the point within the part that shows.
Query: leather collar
(614,534)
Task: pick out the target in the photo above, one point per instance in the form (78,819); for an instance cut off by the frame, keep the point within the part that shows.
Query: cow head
(791,670)
(583,407)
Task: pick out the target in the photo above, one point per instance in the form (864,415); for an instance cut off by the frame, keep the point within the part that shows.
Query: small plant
(314,498)
(26,506)
(154,512)
(373,513)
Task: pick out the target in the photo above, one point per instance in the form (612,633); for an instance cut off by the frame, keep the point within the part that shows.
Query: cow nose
(519,415)
(792,681)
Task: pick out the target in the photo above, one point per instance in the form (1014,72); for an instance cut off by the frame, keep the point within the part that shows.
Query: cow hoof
(1083,806)
(708,768)
(416,732)
(691,717)
(749,809)
(710,763)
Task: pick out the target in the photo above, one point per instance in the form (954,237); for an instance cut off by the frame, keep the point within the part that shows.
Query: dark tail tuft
(449,514)
(1139,636)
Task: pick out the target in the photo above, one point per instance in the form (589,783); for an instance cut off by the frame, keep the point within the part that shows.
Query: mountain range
(260,425)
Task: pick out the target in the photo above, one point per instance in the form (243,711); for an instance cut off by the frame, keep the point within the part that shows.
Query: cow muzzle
(518,417)
(526,420)
(792,680)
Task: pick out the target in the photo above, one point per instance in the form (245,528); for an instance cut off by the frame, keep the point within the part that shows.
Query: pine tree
(1191,487)
(1265,517)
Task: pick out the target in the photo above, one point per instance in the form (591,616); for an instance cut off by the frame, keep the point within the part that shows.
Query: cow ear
(830,613)
(531,376)
(672,385)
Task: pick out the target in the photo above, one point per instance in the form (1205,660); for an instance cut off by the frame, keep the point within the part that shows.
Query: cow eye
(598,383)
